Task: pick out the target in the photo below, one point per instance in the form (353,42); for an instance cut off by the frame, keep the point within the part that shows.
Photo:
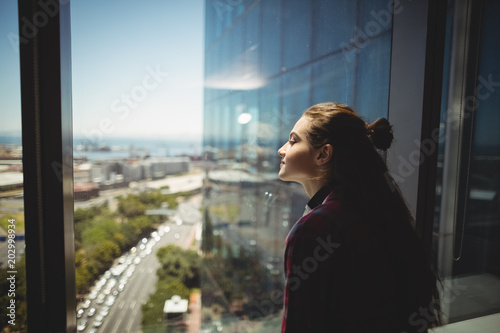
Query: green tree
(104,253)
(130,206)
(182,265)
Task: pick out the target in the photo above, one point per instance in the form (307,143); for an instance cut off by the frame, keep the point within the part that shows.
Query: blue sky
(137,69)
(10,102)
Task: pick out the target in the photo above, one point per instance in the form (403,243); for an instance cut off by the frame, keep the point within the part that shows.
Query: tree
(182,265)
(130,206)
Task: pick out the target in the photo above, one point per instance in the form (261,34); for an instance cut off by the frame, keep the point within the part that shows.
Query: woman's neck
(313,186)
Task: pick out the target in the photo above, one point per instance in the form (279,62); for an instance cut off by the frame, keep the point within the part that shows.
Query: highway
(126,313)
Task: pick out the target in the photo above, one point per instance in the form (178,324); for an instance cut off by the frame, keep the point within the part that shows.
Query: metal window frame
(417,58)
(45,59)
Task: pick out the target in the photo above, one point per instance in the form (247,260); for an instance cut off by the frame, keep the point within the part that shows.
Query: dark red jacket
(340,277)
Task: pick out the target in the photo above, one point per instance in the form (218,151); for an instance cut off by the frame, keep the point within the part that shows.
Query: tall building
(267,61)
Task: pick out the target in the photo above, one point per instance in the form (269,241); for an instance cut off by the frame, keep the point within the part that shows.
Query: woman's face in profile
(297,155)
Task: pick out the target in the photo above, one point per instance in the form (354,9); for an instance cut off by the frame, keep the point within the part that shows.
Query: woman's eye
(291,141)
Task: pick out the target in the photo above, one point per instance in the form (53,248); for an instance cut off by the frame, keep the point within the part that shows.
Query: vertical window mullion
(48,168)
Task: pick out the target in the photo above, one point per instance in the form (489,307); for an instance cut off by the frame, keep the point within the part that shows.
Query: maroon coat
(340,276)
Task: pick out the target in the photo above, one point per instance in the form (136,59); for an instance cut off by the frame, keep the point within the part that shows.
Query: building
(267,61)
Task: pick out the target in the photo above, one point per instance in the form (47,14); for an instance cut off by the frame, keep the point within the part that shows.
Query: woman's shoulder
(333,213)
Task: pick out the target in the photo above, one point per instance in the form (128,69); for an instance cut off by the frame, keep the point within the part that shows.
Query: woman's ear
(325,154)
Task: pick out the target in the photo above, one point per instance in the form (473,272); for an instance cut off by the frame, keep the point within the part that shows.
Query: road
(126,313)
(175,184)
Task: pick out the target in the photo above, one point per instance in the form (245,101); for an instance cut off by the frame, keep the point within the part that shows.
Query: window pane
(334,79)
(374,66)
(467,231)
(333,25)
(296,32)
(12,261)
(139,123)
(137,93)
(305,59)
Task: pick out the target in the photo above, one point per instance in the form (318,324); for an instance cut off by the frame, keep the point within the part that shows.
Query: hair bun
(381,133)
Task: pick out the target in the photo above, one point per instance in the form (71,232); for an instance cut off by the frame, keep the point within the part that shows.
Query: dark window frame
(45,61)
(417,61)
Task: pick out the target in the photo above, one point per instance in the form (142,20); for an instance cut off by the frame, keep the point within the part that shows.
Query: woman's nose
(281,151)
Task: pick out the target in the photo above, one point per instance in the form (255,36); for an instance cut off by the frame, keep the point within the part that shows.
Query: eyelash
(292,141)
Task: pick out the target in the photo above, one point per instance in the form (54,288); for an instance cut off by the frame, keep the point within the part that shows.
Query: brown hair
(353,141)
(362,179)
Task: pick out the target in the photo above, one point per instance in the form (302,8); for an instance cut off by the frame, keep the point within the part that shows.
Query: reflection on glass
(302,57)
(12,224)
(467,225)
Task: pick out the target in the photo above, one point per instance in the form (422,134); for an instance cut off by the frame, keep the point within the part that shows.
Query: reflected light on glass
(242,83)
(244,118)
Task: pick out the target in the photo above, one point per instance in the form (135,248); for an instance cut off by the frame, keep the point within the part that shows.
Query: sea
(112,148)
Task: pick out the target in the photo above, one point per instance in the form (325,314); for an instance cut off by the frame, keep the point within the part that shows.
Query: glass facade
(265,63)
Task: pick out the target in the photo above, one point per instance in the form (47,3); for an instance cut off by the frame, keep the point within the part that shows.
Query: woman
(353,262)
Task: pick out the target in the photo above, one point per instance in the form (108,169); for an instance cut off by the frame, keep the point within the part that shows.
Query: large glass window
(310,52)
(12,224)
(137,111)
(467,229)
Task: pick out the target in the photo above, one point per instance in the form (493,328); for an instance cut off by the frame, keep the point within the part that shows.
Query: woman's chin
(283,176)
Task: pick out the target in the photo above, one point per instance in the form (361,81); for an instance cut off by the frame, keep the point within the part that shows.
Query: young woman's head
(331,143)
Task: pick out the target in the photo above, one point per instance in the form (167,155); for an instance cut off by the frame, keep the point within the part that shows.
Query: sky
(137,69)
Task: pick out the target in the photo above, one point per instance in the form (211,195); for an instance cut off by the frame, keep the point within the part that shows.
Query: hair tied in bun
(381,133)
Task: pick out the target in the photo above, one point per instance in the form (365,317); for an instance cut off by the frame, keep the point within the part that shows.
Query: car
(82,324)
(86,304)
(177,236)
(110,300)
(79,313)
(98,321)
(104,311)
(93,294)
(91,312)
(100,299)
